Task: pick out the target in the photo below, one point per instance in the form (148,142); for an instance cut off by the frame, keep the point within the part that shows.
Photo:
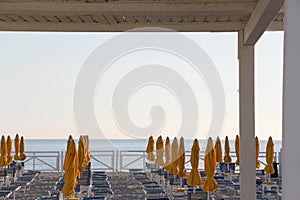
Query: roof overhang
(121,15)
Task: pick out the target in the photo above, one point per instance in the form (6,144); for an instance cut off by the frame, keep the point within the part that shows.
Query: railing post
(113,161)
(117,161)
(33,161)
(62,161)
(57,162)
(121,161)
(144,161)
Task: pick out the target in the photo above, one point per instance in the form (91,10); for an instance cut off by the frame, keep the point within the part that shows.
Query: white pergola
(250,18)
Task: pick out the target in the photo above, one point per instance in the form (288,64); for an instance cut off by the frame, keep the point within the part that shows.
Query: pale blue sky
(38,72)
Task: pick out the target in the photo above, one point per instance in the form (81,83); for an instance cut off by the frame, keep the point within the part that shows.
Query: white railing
(114,161)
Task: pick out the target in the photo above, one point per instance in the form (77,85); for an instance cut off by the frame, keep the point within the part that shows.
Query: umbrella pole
(207,195)
(194,189)
(181,182)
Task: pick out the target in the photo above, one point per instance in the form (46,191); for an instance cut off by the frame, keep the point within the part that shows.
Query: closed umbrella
(9,150)
(160,152)
(17,148)
(88,153)
(237,150)
(175,152)
(227,157)
(150,149)
(181,159)
(218,148)
(71,168)
(81,154)
(22,149)
(194,177)
(168,155)
(3,158)
(257,152)
(269,169)
(210,184)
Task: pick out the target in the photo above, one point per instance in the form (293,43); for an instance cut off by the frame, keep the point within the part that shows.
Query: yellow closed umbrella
(218,148)
(175,156)
(210,184)
(181,159)
(3,158)
(150,149)
(17,148)
(160,152)
(257,152)
(88,153)
(9,150)
(22,149)
(81,154)
(194,177)
(168,155)
(237,150)
(71,168)
(227,158)
(269,169)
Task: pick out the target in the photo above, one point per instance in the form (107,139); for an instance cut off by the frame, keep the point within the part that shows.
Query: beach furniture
(5,195)
(157,198)
(95,198)
(13,189)
(154,192)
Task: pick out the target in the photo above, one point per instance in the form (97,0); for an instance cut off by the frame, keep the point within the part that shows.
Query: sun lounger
(12,188)
(149,191)
(95,198)
(224,182)
(5,195)
(157,198)
(103,191)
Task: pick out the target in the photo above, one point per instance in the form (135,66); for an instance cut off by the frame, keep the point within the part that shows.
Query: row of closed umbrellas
(175,158)
(75,162)
(6,157)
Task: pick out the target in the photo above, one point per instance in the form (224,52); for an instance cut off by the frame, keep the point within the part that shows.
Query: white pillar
(247,119)
(291,102)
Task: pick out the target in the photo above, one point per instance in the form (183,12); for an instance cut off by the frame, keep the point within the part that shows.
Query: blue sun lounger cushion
(94,198)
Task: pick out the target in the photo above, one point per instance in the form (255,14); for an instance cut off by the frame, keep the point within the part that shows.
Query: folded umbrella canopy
(160,152)
(88,153)
(168,155)
(237,150)
(181,159)
(210,184)
(218,148)
(82,159)
(150,149)
(194,177)
(22,149)
(175,156)
(257,152)
(3,158)
(9,150)
(227,157)
(269,169)
(17,148)
(71,168)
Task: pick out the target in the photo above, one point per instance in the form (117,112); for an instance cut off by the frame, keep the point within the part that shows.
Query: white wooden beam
(261,17)
(81,8)
(247,119)
(291,99)
(98,27)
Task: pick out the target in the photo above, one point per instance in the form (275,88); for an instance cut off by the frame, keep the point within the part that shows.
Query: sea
(103,160)
(122,144)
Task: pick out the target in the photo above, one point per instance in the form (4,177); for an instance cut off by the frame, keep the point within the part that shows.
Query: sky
(39,71)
